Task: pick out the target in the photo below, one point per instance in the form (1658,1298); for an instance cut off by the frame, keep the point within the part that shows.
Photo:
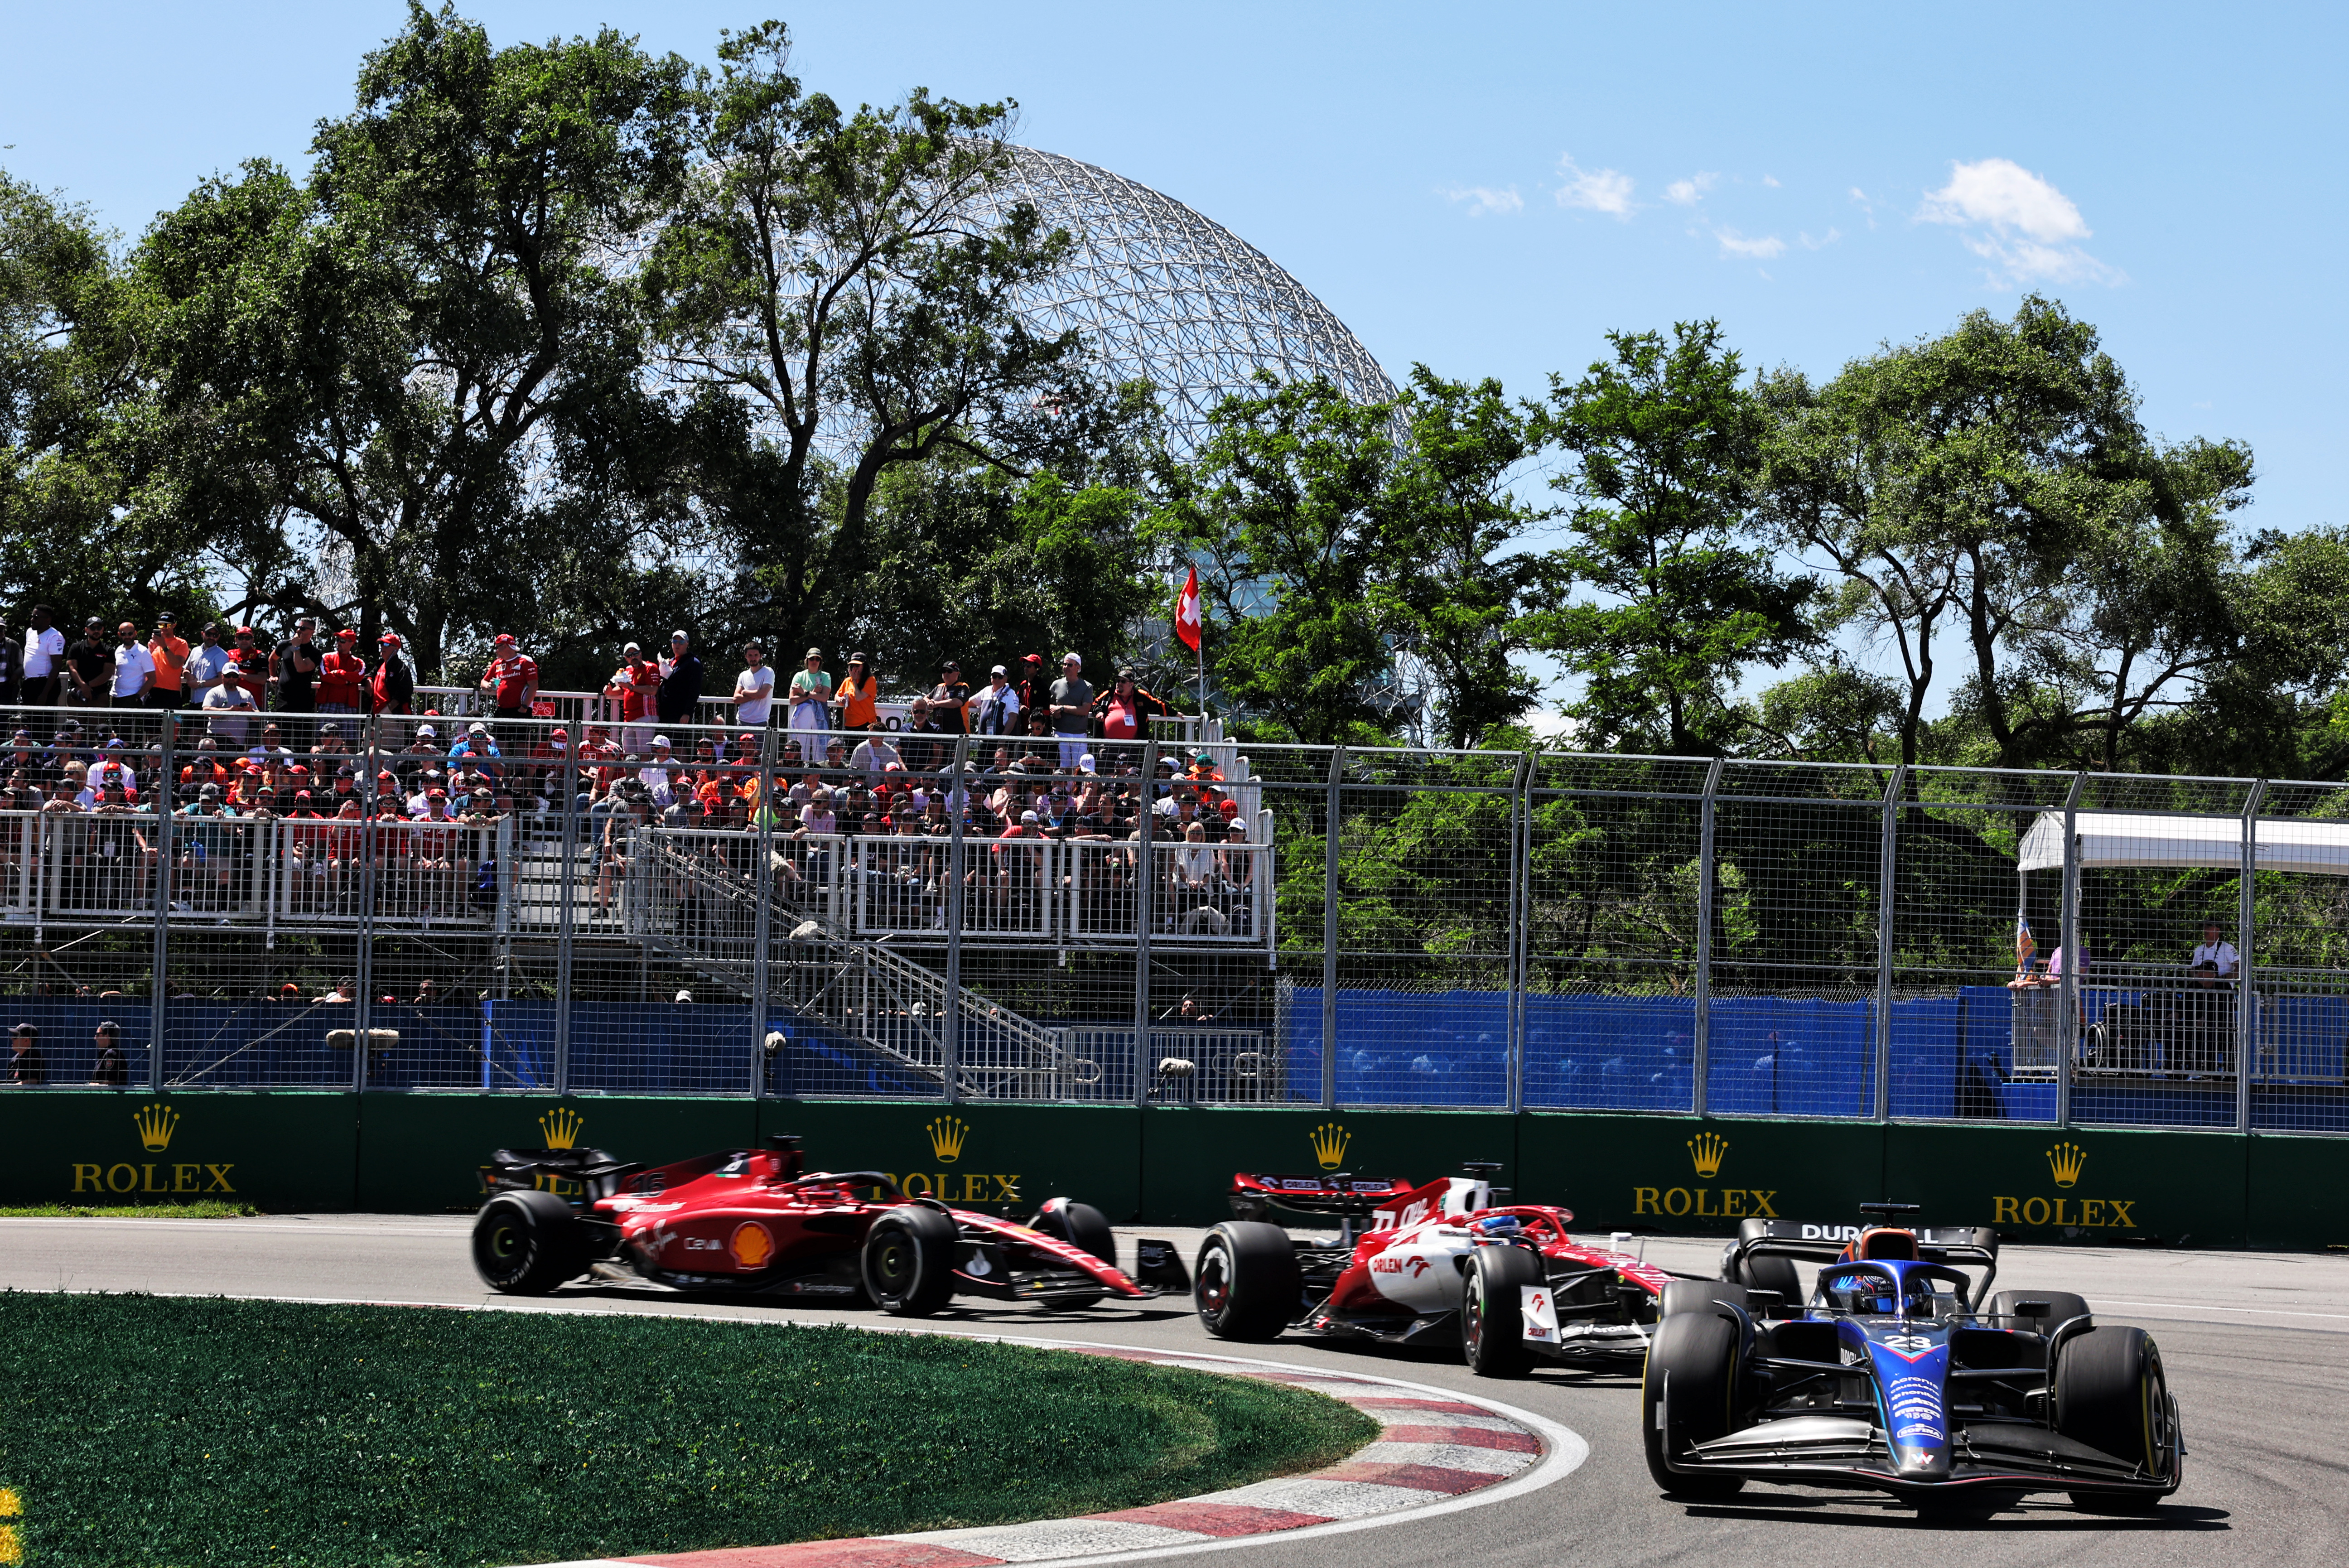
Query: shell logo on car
(752,1244)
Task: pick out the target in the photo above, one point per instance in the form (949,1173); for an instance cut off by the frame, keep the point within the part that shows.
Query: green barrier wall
(418,1152)
(279,1150)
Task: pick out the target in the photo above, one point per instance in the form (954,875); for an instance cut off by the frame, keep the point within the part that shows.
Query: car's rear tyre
(1492,1310)
(1699,1295)
(2112,1395)
(908,1261)
(526,1244)
(1081,1225)
(1694,1357)
(1248,1285)
(2063,1306)
(1775,1274)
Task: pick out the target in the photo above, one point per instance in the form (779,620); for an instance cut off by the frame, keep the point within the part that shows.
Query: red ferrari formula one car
(757,1222)
(1433,1262)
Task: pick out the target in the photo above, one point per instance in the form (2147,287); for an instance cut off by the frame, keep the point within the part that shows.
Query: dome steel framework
(1163,293)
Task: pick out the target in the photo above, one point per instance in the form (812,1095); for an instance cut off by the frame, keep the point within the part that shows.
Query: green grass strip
(201,1210)
(151,1431)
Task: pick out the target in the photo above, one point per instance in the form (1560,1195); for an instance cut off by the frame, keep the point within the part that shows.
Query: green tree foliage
(1685,599)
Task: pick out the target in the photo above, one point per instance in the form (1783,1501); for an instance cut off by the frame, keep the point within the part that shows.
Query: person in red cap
(392,689)
(1031,672)
(510,682)
(544,776)
(342,675)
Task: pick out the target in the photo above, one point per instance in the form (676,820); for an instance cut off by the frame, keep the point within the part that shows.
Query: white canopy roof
(2118,838)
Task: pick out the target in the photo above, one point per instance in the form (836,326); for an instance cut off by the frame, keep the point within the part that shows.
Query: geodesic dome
(1164,293)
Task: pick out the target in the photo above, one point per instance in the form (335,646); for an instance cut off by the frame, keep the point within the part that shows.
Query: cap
(999,669)
(165,618)
(560,735)
(1033,658)
(812,653)
(330,728)
(679,637)
(347,635)
(856,659)
(633,648)
(427,733)
(660,739)
(1203,756)
(1072,658)
(477,728)
(1085,763)
(505,640)
(91,622)
(389,639)
(244,631)
(1026,817)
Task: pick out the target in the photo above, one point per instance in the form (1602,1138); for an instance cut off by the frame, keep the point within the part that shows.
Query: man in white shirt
(659,774)
(45,648)
(873,754)
(134,668)
(2216,952)
(996,710)
(754,689)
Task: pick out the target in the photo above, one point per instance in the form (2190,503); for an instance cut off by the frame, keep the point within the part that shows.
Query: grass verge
(144,1431)
(198,1210)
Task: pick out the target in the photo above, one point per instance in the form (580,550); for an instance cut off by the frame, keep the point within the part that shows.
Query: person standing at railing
(855,705)
(295,670)
(1123,711)
(754,688)
(45,653)
(995,710)
(812,694)
(206,660)
(134,668)
(169,649)
(679,700)
(342,676)
(510,682)
(26,1064)
(89,666)
(950,701)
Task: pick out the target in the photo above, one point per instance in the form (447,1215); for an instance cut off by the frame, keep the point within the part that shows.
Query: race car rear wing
(1339,1196)
(578,1174)
(1957,1246)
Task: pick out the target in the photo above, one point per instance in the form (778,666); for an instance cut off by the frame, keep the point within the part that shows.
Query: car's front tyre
(1492,1312)
(1249,1284)
(908,1261)
(1688,1391)
(527,1244)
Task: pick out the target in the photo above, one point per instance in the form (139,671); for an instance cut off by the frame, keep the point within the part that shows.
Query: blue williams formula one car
(1898,1371)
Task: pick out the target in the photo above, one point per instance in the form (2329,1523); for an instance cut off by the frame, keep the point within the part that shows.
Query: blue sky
(1490,189)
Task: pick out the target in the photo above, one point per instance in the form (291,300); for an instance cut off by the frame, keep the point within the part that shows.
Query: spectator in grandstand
(108,1070)
(629,696)
(89,666)
(857,703)
(272,745)
(922,744)
(1123,711)
(1034,693)
(545,774)
(342,675)
(26,1064)
(510,682)
(754,688)
(45,653)
(228,708)
(12,668)
(812,694)
(660,775)
(479,746)
(996,710)
(392,687)
(295,670)
(874,756)
(950,700)
(205,662)
(169,651)
(134,668)
(1191,883)
(680,682)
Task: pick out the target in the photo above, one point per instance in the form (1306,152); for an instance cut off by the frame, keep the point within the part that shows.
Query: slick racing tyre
(1250,1286)
(1078,1224)
(2111,1393)
(1688,1395)
(1492,1311)
(2063,1306)
(1699,1295)
(1776,1274)
(526,1244)
(909,1261)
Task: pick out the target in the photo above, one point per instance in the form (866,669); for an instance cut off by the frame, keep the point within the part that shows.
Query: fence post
(1700,1035)
(160,959)
(1521,811)
(1145,894)
(2247,1002)
(2067,996)
(369,842)
(1329,928)
(950,1020)
(569,776)
(1886,885)
(762,913)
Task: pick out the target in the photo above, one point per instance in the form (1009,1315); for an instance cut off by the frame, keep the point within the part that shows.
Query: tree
(406,369)
(1666,438)
(1461,597)
(1287,509)
(839,275)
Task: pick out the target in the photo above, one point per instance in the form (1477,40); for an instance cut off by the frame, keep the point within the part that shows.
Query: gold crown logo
(1707,1149)
(156,1125)
(562,1127)
(2066,1159)
(1329,1142)
(946,1134)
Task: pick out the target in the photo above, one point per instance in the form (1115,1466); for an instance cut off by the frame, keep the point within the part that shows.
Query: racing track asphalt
(2256,1346)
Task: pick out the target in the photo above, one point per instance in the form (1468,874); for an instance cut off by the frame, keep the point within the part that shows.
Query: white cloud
(1733,244)
(1688,192)
(1822,242)
(1483,199)
(1860,199)
(2019,223)
(1600,190)
(1771,180)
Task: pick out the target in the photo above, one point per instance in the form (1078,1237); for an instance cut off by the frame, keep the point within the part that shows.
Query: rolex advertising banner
(2296,1193)
(1674,1175)
(1189,1155)
(1000,1159)
(118,1149)
(423,1153)
(2085,1186)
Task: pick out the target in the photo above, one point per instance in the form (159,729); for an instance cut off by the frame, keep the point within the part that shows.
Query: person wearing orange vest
(170,652)
(856,701)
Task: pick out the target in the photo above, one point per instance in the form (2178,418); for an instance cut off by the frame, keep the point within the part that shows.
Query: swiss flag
(1186,612)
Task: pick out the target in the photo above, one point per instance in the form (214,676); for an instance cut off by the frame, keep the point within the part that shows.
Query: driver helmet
(1499,1225)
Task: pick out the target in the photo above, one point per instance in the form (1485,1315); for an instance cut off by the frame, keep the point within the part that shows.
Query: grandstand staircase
(851,991)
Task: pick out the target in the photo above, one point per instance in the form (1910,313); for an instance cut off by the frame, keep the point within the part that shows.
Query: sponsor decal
(1329,1141)
(1830,1232)
(1299,1184)
(1707,1151)
(561,1127)
(156,1125)
(946,1136)
(2066,1163)
(752,1244)
(950,1139)
(1541,1314)
(1917,1432)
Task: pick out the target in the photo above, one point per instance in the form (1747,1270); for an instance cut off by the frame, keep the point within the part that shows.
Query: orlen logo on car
(1417,1264)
